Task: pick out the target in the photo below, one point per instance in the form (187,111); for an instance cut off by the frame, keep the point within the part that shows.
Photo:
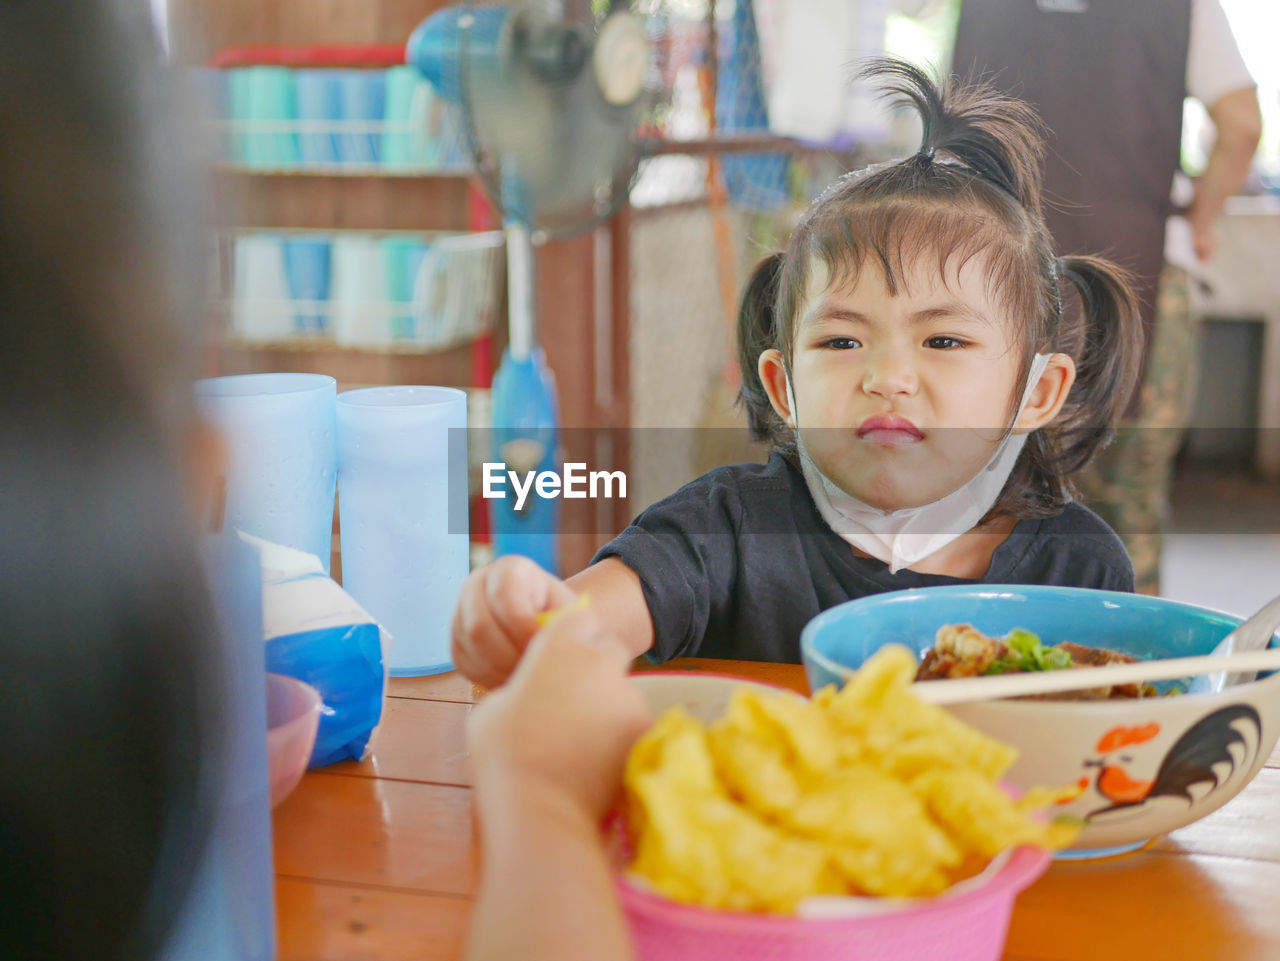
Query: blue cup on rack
(281,455)
(306,264)
(408,106)
(402,504)
(404,260)
(264,112)
(240,148)
(319,94)
(363,108)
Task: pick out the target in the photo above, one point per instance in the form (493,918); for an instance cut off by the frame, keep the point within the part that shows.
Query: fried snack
(862,791)
(544,618)
(694,843)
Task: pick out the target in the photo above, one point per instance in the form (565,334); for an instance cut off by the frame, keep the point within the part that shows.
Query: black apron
(1108,77)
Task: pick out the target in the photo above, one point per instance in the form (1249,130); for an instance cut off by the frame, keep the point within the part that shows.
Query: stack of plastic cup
(261,306)
(263,104)
(306,261)
(402,502)
(364,95)
(281,455)
(319,95)
(359,292)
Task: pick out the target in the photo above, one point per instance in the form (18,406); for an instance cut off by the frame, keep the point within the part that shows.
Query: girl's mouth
(889,430)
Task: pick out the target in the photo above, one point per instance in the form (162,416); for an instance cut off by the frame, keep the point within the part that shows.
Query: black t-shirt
(734,564)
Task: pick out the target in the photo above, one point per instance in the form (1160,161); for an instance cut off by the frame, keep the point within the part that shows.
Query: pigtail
(758,332)
(1106,343)
(998,138)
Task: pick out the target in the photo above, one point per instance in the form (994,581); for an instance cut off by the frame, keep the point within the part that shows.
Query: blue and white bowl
(1144,766)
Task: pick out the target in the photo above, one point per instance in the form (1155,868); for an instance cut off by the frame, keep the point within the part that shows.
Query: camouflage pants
(1128,482)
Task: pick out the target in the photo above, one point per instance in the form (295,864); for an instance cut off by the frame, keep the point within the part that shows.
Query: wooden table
(377,860)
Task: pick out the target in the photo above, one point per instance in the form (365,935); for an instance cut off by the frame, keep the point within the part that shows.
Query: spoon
(996,686)
(1254,634)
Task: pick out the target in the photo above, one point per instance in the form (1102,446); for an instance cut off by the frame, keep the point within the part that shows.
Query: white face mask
(902,537)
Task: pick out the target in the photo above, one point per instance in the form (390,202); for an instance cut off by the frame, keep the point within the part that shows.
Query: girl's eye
(942,342)
(841,343)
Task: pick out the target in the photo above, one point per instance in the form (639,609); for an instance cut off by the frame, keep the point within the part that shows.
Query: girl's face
(902,398)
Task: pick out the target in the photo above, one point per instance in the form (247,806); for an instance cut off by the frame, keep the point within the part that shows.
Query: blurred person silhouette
(1109,80)
(113,687)
(110,670)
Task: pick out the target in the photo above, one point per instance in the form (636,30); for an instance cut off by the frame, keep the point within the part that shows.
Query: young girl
(927,396)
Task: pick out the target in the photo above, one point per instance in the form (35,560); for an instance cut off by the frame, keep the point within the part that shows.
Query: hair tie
(1056,272)
(926,155)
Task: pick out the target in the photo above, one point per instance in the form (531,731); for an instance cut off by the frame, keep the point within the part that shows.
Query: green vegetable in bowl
(1027,653)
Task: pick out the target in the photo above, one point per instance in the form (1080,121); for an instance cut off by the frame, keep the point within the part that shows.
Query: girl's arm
(616,593)
(499,606)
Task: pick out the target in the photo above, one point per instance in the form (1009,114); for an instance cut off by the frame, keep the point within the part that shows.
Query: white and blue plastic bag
(315,631)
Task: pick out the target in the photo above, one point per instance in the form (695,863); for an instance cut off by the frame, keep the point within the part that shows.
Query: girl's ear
(774,378)
(1048,396)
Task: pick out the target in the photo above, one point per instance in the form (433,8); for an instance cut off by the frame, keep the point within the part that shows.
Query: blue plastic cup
(404,259)
(402,504)
(306,263)
(319,95)
(281,455)
(264,112)
(402,83)
(363,107)
(409,139)
(240,147)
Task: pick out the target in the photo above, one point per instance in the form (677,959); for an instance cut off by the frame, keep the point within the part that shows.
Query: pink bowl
(293,716)
(965,927)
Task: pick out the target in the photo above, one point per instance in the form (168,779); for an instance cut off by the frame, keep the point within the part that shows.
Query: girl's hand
(497,614)
(561,728)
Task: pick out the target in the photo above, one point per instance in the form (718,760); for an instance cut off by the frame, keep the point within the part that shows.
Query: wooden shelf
(446,368)
(333,201)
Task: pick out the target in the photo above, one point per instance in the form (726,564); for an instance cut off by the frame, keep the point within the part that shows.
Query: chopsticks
(996,686)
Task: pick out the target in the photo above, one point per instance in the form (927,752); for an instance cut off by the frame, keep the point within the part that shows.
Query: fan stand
(520,290)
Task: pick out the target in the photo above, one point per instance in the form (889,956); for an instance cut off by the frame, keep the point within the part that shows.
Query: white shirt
(1214,64)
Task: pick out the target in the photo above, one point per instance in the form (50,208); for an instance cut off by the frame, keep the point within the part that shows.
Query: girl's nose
(889,373)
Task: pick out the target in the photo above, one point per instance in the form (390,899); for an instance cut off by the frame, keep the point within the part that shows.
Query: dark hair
(109,676)
(972,190)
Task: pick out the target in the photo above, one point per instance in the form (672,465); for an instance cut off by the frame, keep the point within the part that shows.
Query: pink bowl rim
(1025,865)
(314,701)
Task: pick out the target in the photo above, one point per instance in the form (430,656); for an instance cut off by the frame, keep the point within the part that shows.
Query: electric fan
(551,94)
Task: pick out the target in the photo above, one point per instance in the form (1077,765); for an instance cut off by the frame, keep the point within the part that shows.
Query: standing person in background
(1109,80)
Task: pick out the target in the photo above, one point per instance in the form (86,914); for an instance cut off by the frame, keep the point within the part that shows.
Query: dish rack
(384,292)
(340,110)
